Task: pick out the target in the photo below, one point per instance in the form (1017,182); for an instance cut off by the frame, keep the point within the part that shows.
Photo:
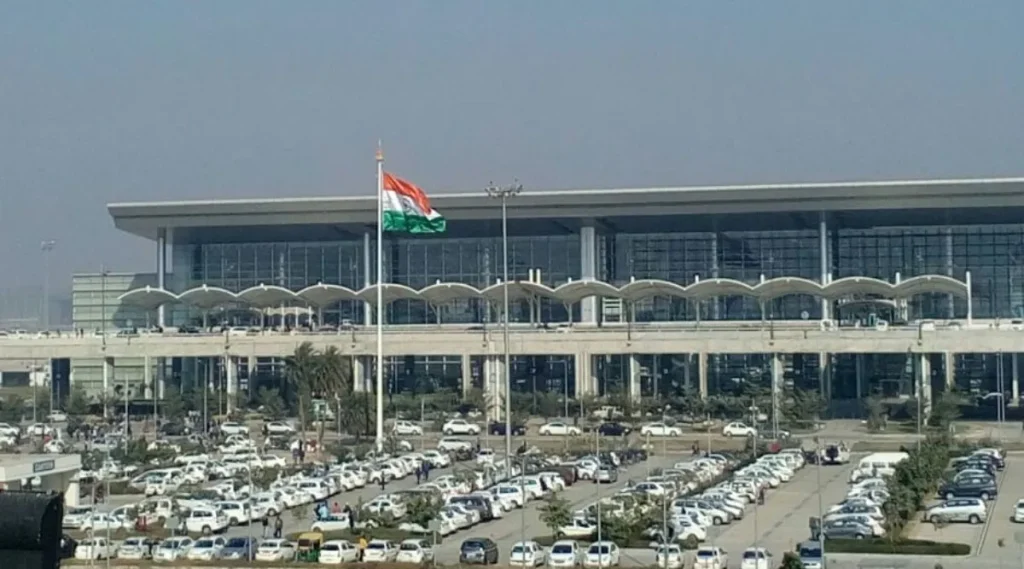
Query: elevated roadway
(451,340)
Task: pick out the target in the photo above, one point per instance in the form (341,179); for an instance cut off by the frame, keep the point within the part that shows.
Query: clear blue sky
(133,101)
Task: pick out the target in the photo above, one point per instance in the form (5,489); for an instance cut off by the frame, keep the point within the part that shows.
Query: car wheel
(233,521)
(974,519)
(717,521)
(449,432)
(859,536)
(207,530)
(985,496)
(935,520)
(950,496)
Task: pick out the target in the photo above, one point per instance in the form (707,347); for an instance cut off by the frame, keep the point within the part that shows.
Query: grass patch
(900,547)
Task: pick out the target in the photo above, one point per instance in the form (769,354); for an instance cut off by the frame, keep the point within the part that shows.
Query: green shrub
(898,547)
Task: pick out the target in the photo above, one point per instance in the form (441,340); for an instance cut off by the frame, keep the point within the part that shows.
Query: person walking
(266,525)
(419,474)
(362,547)
(278,526)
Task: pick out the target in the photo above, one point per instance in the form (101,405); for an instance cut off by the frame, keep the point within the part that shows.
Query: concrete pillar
(950,369)
(715,302)
(161,271)
(777,376)
(250,372)
(231,375)
(368,268)
(494,386)
(467,373)
(161,378)
(858,366)
(1014,380)
(825,376)
(71,495)
(950,311)
(687,382)
(635,376)
(147,377)
(588,270)
(702,374)
(823,261)
(925,378)
(108,380)
(584,378)
(358,373)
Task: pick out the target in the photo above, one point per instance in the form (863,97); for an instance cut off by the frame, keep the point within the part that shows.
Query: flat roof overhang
(144,219)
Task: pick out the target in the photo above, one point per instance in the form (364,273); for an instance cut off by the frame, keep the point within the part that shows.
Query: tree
(791,560)
(271,403)
(77,404)
(556,512)
(473,400)
(173,406)
(333,380)
(876,413)
(301,371)
(421,510)
(12,410)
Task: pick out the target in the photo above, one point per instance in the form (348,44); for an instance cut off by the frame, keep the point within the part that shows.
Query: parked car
(380,551)
(407,429)
(602,554)
(565,553)
(613,429)
(983,487)
(338,551)
(971,510)
(277,428)
(275,550)
(659,430)
(240,548)
(479,550)
(527,554)
(738,429)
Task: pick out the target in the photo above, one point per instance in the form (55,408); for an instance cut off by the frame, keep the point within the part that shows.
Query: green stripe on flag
(400,222)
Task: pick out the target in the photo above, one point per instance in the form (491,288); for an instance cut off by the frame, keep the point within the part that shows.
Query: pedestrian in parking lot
(383,482)
(419,474)
(426,471)
(266,525)
(278,526)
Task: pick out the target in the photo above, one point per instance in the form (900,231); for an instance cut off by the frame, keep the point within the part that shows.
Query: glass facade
(993,253)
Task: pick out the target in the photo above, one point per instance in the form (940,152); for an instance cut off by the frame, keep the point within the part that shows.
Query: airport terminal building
(850,288)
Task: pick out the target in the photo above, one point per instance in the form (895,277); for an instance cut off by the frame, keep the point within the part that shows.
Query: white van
(877,464)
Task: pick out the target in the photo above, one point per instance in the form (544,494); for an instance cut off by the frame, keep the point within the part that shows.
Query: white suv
(460,427)
(232,428)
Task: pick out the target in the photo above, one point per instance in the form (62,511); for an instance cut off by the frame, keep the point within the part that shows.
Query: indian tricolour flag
(406,208)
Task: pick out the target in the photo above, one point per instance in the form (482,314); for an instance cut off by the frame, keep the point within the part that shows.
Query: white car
(338,551)
(565,553)
(75,516)
(602,554)
(40,430)
(10,430)
(135,548)
(416,551)
(578,528)
(711,557)
(1018,512)
(101,521)
(437,458)
(380,551)
(669,556)
(275,550)
(172,549)
(510,495)
(971,510)
(206,521)
(233,428)
(660,430)
(527,554)
(94,548)
(407,429)
(277,428)
(448,444)
(558,428)
(57,417)
(757,558)
(206,548)
(738,429)
(460,427)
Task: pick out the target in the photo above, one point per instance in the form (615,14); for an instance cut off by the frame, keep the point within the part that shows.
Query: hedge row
(900,547)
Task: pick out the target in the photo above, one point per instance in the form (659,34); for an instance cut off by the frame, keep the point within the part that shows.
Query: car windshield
(377,545)
(410,547)
(595,549)
(561,548)
(753,555)
(236,542)
(810,552)
(203,543)
(705,553)
(517,549)
(330,547)
(466,546)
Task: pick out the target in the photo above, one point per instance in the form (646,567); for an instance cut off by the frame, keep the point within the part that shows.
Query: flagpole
(380,298)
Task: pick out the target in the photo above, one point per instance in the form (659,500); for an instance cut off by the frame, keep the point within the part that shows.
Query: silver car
(970,510)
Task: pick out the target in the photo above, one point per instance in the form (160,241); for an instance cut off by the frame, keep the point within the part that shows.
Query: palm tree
(301,372)
(333,381)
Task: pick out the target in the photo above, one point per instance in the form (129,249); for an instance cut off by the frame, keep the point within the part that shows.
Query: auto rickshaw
(309,546)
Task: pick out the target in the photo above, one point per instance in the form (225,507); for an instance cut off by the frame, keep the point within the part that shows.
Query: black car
(174,430)
(67,546)
(479,550)
(498,428)
(613,430)
(983,487)
(982,465)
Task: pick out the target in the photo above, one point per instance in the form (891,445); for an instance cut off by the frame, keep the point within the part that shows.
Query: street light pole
(504,193)
(46,247)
